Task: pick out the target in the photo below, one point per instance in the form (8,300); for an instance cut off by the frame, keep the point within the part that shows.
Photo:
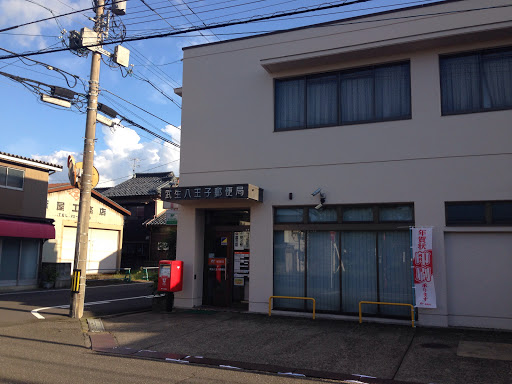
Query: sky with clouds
(38,130)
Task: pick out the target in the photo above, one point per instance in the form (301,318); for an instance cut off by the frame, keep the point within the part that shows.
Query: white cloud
(125,153)
(121,141)
(174,132)
(15,12)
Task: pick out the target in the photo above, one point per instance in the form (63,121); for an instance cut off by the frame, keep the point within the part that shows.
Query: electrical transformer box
(121,56)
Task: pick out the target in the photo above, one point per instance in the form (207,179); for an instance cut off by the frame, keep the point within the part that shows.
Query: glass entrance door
(218,269)
(226,259)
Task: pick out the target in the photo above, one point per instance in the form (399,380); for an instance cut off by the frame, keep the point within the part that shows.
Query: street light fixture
(57,101)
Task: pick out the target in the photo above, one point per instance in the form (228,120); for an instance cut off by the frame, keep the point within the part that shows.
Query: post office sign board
(213,192)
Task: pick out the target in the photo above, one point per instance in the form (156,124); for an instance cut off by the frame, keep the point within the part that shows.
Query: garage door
(479,283)
(102,251)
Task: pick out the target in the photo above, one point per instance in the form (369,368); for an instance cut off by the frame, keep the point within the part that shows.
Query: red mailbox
(170,276)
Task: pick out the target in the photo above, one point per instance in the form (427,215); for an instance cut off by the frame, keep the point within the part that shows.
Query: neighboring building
(162,235)
(23,224)
(105,229)
(141,196)
(401,119)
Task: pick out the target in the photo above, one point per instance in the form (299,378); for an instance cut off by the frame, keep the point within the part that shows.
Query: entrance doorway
(227,252)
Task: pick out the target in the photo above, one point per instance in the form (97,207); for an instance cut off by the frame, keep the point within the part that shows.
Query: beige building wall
(228,135)
(63,208)
(31,200)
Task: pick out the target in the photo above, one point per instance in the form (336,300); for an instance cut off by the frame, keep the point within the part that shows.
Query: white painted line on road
(177,360)
(36,313)
(66,289)
(41,317)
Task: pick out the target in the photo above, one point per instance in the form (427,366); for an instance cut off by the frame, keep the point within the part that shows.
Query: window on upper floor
(476,82)
(371,94)
(11,178)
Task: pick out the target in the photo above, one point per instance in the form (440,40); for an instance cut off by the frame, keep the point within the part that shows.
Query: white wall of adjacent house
(229,137)
(101,253)
(105,232)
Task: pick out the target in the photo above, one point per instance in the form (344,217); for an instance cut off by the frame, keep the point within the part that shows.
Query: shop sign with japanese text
(221,192)
(423,268)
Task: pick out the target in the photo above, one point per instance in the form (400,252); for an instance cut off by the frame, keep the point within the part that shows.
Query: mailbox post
(170,280)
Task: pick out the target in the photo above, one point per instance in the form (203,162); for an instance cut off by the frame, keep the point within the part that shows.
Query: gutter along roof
(30,162)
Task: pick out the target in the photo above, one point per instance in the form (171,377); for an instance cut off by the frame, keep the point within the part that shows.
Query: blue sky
(38,130)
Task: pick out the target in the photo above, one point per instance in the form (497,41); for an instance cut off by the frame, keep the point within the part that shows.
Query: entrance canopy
(213,192)
(26,229)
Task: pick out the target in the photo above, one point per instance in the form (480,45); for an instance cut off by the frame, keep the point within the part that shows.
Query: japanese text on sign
(422,267)
(237,191)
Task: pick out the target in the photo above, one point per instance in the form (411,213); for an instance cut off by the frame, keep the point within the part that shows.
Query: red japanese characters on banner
(423,270)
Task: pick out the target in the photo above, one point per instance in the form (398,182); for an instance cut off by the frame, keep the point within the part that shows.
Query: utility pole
(76,308)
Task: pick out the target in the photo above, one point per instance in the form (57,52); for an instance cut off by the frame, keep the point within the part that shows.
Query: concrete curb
(105,343)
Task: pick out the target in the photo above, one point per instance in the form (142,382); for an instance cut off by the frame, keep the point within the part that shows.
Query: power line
(136,106)
(45,19)
(76,77)
(223,9)
(212,26)
(149,169)
(36,87)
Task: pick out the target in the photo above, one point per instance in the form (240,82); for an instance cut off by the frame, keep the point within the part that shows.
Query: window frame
(339,224)
(488,221)
(340,75)
(7,178)
(480,54)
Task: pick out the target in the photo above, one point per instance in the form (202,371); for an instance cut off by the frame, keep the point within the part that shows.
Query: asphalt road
(56,351)
(54,348)
(22,307)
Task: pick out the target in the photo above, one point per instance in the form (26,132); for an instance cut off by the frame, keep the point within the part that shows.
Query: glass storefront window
(29,259)
(10,259)
(358,214)
(341,268)
(323,270)
(393,214)
(289,268)
(326,215)
(289,215)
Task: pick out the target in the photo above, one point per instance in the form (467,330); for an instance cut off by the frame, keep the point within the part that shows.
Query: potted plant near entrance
(49,276)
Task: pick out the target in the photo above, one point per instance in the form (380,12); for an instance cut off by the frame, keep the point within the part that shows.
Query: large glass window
(479,81)
(342,255)
(341,268)
(359,278)
(289,268)
(290,110)
(19,261)
(10,254)
(369,94)
(322,101)
(323,270)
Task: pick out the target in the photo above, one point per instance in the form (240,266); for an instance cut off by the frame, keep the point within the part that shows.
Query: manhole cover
(435,345)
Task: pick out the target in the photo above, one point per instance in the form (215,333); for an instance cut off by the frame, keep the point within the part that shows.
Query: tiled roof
(143,184)
(14,157)
(161,219)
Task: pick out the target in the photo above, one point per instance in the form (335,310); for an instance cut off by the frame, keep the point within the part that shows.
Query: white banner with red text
(423,268)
